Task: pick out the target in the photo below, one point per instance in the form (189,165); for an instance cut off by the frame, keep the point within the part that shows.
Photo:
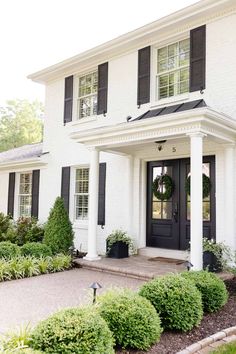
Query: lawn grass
(226,349)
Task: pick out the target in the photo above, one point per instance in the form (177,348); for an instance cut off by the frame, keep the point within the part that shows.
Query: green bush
(8,249)
(76,330)
(177,301)
(60,262)
(212,288)
(5,224)
(28,230)
(58,230)
(132,319)
(35,249)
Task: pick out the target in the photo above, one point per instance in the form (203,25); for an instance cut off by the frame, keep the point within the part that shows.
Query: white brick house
(158,100)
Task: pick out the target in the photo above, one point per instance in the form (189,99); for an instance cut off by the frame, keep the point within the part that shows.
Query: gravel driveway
(32,299)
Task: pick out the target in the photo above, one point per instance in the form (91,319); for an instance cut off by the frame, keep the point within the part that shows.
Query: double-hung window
(87,99)
(173,69)
(81,193)
(25,194)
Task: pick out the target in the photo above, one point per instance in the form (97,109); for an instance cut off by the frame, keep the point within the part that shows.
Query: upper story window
(87,100)
(25,194)
(173,69)
(81,193)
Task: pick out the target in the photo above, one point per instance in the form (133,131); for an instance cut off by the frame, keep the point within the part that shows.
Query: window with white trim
(81,193)
(25,194)
(87,98)
(173,69)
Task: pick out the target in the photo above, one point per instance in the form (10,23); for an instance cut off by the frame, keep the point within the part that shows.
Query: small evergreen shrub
(75,330)
(8,250)
(58,230)
(60,262)
(177,300)
(28,230)
(5,224)
(131,318)
(35,249)
(212,288)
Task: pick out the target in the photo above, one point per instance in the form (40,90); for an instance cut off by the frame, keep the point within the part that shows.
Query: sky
(35,34)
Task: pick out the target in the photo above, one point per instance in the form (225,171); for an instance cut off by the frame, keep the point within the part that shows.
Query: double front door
(168,221)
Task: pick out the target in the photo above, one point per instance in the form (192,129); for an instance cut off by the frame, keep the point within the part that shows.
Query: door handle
(175,212)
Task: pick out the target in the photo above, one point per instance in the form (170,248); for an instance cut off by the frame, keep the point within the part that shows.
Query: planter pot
(211,262)
(119,250)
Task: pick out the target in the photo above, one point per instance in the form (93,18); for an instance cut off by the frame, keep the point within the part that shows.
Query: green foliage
(5,223)
(16,340)
(28,230)
(35,249)
(28,266)
(132,319)
(177,301)
(76,330)
(8,249)
(229,348)
(220,250)
(120,235)
(58,230)
(20,123)
(212,288)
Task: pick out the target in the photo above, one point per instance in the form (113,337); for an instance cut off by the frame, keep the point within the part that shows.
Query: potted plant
(118,244)
(215,255)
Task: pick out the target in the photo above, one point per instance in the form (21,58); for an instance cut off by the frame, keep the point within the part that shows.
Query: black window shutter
(35,194)
(68,101)
(65,186)
(197,58)
(102,194)
(11,193)
(102,88)
(144,56)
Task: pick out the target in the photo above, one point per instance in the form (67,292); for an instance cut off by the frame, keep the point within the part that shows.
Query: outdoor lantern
(95,286)
(188,265)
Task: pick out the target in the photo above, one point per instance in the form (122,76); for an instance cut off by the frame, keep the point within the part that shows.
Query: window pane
(184,59)
(163,65)
(156,210)
(172,63)
(162,53)
(166,210)
(173,50)
(184,46)
(206,211)
(87,103)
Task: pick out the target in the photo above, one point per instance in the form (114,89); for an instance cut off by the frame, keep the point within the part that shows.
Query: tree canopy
(20,123)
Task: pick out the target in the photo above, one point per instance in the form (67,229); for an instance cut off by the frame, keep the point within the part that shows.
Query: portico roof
(210,122)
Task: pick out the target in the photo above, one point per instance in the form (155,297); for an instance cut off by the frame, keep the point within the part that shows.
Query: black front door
(168,221)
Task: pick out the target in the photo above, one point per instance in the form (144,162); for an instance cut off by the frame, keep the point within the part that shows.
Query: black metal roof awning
(171,109)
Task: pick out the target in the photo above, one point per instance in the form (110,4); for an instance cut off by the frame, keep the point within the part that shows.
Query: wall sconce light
(160,144)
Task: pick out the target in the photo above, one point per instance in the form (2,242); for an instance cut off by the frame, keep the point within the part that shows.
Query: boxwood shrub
(212,288)
(35,249)
(176,299)
(8,250)
(75,330)
(131,318)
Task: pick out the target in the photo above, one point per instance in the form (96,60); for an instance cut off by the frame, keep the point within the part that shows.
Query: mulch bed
(172,342)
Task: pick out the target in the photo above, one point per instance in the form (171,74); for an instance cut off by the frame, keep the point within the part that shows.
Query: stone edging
(194,348)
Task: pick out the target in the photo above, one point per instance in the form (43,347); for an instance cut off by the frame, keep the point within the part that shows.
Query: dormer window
(173,69)
(87,100)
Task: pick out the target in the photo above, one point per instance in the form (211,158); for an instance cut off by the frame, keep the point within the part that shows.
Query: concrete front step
(139,267)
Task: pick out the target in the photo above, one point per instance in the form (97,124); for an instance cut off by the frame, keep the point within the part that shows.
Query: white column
(229,190)
(130,194)
(93,206)
(196,222)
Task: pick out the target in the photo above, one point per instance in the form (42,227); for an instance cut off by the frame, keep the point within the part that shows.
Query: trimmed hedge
(212,288)
(35,249)
(75,330)
(8,250)
(131,318)
(176,299)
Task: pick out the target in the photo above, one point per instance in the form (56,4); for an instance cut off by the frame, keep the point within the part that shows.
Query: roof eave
(133,39)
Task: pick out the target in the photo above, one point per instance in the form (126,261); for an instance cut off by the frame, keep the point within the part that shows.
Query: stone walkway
(32,299)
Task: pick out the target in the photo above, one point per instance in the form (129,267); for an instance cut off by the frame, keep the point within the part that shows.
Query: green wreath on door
(206,185)
(158,183)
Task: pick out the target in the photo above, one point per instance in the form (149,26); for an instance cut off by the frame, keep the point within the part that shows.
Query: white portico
(202,130)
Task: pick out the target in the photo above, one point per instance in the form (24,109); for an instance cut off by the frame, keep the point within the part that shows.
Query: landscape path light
(95,286)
